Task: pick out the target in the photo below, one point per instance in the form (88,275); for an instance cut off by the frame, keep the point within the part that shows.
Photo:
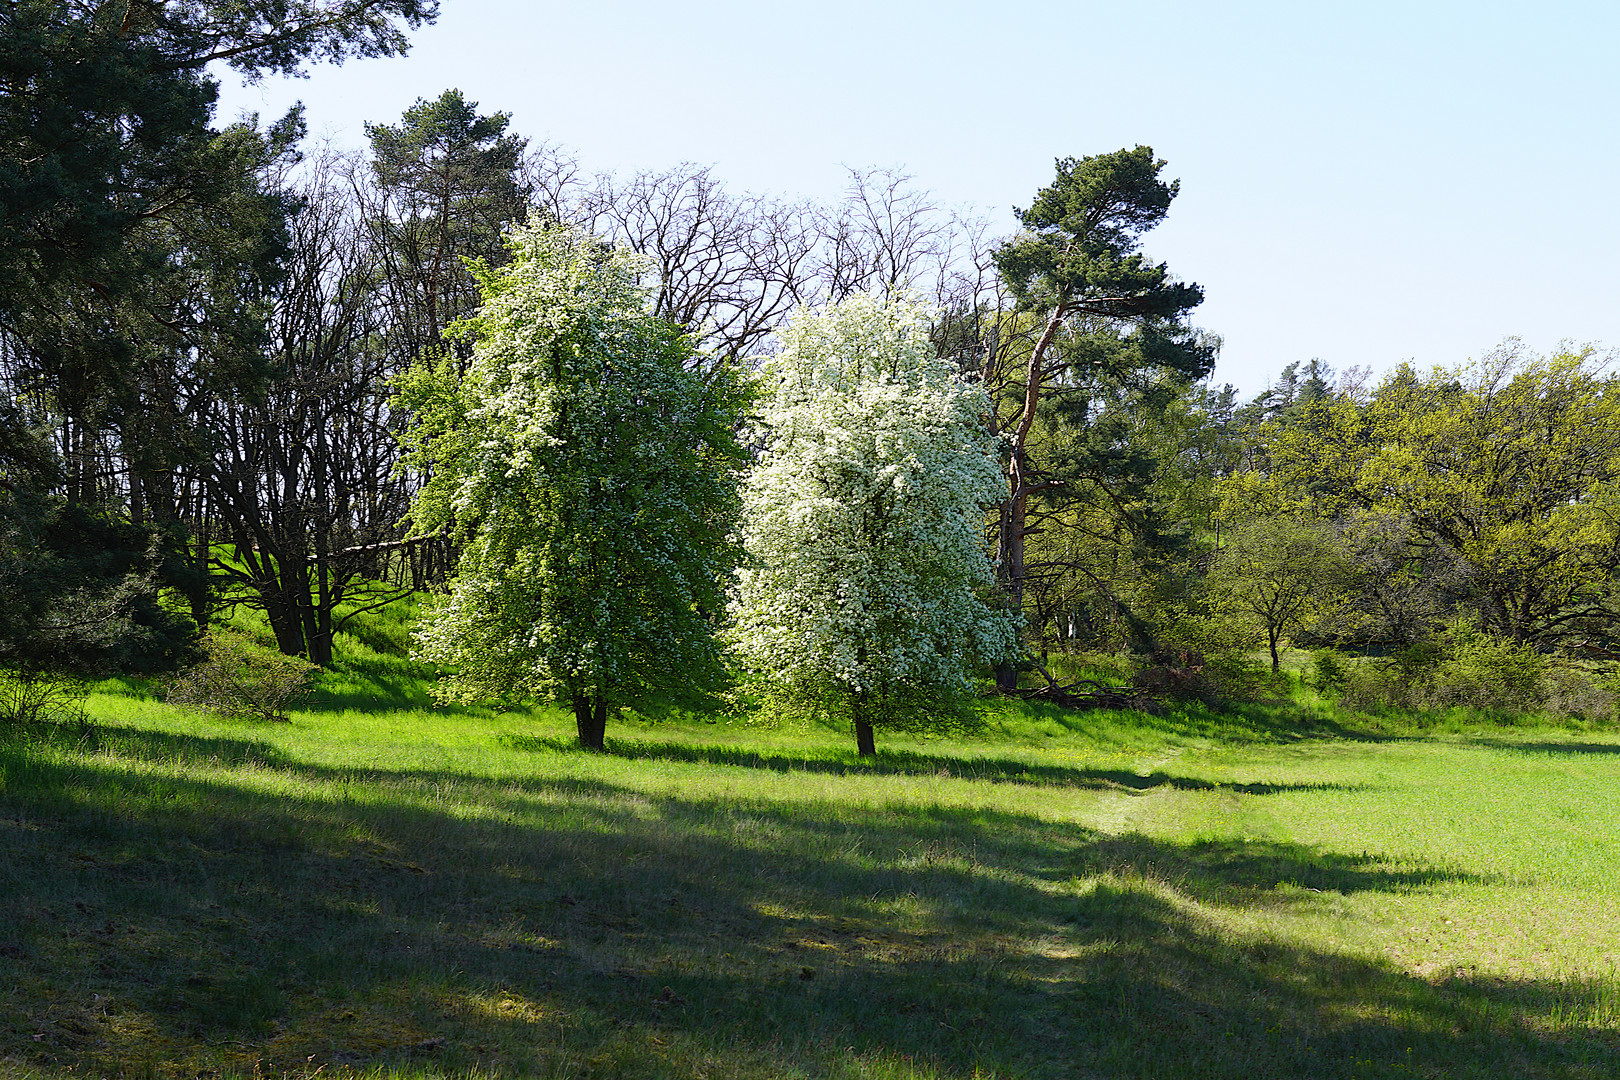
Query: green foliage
(1467,667)
(1575,691)
(1096,348)
(134,230)
(1500,482)
(452,172)
(139,246)
(448,177)
(1206,655)
(1282,573)
(239,678)
(1482,670)
(1081,238)
(1329,671)
(589,476)
(81,591)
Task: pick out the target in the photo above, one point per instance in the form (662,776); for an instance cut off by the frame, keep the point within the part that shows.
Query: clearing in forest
(423,893)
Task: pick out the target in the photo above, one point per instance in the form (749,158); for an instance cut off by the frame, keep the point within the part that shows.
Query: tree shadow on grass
(912,763)
(1546,746)
(166,923)
(149,745)
(1266,722)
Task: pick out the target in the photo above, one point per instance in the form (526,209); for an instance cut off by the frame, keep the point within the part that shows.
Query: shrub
(1574,692)
(1482,671)
(1330,671)
(40,697)
(238,678)
(1467,667)
(1369,686)
(1208,657)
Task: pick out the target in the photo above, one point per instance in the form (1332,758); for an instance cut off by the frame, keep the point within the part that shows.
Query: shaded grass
(891,762)
(237,900)
(386,889)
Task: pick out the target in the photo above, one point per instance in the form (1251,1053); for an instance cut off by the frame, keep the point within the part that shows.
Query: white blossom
(590,475)
(864,516)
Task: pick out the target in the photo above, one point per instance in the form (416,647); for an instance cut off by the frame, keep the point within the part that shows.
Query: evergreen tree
(1111,326)
(448,181)
(137,246)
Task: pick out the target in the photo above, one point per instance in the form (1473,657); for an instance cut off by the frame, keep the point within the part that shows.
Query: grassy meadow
(381,888)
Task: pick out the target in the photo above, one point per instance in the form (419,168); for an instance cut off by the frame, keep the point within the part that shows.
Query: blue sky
(1362,182)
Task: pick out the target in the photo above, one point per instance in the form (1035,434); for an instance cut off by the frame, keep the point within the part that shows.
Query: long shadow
(914,763)
(156,746)
(389,693)
(1546,746)
(163,924)
(1278,721)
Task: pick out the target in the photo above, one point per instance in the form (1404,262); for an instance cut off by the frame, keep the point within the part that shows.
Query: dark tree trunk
(197,591)
(865,745)
(1015,510)
(590,717)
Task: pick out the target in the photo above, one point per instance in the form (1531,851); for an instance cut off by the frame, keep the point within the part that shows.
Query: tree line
(217,342)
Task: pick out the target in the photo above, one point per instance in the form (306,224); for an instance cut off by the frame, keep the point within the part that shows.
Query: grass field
(384,889)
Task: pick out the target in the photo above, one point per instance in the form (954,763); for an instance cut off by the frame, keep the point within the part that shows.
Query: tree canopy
(590,477)
(1094,323)
(1506,475)
(138,246)
(865,587)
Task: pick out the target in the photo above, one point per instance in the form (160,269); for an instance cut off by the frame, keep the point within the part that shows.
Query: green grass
(384,889)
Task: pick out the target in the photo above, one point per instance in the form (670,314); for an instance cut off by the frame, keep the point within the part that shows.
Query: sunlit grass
(385,888)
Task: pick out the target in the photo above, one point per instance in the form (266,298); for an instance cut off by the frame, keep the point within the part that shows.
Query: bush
(1371,686)
(1208,657)
(1330,672)
(1482,671)
(1575,692)
(241,679)
(41,697)
(1464,666)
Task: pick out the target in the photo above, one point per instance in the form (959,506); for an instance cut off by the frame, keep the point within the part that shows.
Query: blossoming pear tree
(589,472)
(863,521)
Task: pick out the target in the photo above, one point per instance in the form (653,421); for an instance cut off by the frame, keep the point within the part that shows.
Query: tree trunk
(281,606)
(1014,512)
(865,745)
(320,632)
(1013,526)
(200,551)
(590,718)
(1276,661)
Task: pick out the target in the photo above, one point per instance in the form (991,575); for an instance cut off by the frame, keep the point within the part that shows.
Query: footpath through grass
(405,892)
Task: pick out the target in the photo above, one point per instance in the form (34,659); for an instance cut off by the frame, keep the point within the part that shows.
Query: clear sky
(1363,182)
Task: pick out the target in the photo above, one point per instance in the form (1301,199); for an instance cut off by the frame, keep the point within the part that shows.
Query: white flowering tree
(863,521)
(589,473)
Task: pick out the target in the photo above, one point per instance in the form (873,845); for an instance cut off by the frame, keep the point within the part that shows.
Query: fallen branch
(1591,648)
(1100,696)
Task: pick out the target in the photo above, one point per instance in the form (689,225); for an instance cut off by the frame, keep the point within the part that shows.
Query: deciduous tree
(866,580)
(137,245)
(1281,572)
(590,476)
